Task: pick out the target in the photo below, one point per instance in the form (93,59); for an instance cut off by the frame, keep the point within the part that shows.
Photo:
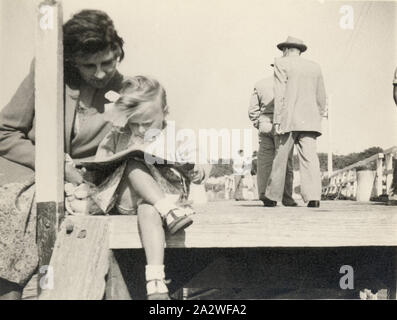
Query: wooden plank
(30,290)
(80,260)
(229,224)
(116,287)
(49,103)
(49,125)
(47,226)
(359,164)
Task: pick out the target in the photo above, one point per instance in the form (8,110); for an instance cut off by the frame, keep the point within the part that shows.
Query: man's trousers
(309,166)
(267,150)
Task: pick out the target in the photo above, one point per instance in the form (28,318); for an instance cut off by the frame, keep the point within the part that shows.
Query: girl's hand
(197,175)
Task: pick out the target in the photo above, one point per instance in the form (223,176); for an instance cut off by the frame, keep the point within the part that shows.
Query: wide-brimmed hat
(292,42)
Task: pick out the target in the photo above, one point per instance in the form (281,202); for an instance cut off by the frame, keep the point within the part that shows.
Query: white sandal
(157,289)
(178,219)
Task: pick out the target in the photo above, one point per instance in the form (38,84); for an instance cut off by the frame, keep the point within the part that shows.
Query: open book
(153,153)
(119,157)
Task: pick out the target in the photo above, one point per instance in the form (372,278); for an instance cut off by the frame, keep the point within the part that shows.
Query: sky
(208,54)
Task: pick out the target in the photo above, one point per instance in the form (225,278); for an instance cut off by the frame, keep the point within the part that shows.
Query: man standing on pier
(299,103)
(260,112)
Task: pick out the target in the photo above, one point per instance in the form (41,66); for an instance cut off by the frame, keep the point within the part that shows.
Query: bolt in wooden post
(49,127)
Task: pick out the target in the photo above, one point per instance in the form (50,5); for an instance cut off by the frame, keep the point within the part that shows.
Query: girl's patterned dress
(172,179)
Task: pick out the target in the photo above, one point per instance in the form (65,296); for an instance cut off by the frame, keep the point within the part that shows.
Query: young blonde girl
(155,192)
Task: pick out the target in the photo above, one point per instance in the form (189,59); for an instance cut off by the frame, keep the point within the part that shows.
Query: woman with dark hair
(88,33)
(92,49)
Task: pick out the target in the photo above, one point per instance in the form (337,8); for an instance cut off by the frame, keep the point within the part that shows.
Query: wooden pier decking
(229,224)
(235,228)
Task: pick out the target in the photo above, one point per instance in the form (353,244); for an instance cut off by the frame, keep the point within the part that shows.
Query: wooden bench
(83,253)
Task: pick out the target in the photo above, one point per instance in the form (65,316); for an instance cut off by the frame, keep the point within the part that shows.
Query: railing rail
(343,182)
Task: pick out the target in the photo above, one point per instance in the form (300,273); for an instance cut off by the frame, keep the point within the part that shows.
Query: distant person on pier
(254,172)
(241,167)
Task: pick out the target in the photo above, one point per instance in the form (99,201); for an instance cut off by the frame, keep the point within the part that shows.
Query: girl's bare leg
(138,182)
(142,182)
(152,234)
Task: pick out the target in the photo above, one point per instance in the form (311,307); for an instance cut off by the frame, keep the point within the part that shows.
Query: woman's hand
(72,174)
(277,129)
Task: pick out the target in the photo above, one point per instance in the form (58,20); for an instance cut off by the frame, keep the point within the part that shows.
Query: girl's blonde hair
(140,89)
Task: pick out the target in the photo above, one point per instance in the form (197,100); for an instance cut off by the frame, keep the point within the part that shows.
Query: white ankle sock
(156,273)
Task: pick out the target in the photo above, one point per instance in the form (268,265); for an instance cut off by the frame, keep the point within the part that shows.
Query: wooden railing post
(355,184)
(389,171)
(379,175)
(49,129)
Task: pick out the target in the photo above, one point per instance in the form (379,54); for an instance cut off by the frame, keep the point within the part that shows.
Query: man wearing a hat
(299,104)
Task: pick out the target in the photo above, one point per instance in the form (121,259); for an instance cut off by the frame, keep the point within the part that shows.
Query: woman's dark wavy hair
(88,32)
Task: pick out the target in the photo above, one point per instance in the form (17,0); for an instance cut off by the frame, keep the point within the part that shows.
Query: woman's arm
(16,121)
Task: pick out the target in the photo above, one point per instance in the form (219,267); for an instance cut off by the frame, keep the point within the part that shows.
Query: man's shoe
(268,203)
(392,200)
(313,204)
(289,204)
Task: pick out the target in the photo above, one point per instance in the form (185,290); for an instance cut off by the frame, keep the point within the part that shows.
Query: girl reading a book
(157,193)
